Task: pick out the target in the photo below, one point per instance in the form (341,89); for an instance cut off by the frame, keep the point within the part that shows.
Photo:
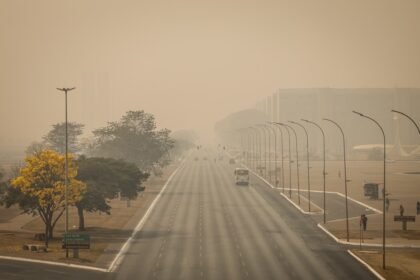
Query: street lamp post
(297,161)
(290,159)
(323,160)
(307,160)
(275,154)
(345,174)
(66,178)
(282,153)
(255,148)
(265,148)
(408,117)
(384,190)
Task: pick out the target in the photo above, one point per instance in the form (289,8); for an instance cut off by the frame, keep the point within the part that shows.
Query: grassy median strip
(106,231)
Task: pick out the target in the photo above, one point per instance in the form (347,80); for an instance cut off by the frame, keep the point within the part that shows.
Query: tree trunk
(81,218)
(50,232)
(46,236)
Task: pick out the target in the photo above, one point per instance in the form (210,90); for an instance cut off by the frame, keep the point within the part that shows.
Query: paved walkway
(17,223)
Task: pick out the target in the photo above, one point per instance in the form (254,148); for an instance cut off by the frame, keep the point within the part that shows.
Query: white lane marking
(120,256)
(54,263)
(366,265)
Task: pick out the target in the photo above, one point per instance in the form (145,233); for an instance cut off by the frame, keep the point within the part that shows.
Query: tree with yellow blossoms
(40,187)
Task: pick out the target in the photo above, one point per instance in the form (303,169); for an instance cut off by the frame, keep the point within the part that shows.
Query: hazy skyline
(190,63)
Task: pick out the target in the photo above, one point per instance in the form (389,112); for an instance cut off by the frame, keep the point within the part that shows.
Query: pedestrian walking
(401,210)
(387,204)
(418,207)
(363,221)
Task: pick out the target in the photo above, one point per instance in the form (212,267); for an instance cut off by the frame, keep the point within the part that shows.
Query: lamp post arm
(407,116)
(384,189)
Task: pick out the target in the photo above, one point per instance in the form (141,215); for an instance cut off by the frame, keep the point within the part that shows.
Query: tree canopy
(56,137)
(105,178)
(135,139)
(40,187)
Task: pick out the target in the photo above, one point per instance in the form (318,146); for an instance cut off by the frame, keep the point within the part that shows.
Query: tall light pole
(255,147)
(384,190)
(408,117)
(323,160)
(282,153)
(265,148)
(66,179)
(307,161)
(275,153)
(297,161)
(290,159)
(345,174)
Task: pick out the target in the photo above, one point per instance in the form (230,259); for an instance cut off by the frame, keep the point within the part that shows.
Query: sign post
(404,220)
(76,241)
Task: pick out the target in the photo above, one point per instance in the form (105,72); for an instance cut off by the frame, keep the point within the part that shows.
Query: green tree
(135,139)
(56,137)
(40,189)
(105,178)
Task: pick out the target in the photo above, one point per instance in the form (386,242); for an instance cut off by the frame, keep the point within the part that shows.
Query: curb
(366,265)
(400,246)
(55,263)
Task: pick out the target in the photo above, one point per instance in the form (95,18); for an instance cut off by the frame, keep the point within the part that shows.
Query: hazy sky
(191,62)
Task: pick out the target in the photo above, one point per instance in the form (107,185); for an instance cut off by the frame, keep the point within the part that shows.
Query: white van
(241,176)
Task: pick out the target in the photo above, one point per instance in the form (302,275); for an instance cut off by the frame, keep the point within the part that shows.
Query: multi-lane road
(206,227)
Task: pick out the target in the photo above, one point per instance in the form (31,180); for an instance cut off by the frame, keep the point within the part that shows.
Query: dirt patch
(106,231)
(400,264)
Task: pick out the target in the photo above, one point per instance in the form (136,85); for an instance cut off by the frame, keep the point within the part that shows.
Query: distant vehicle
(232,161)
(241,176)
(196,158)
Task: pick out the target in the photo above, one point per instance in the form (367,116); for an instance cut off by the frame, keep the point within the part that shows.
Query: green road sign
(76,240)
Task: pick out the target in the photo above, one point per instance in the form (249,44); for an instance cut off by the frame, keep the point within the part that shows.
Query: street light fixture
(66,179)
(323,160)
(265,148)
(297,161)
(282,154)
(345,174)
(297,157)
(290,159)
(408,117)
(307,160)
(275,153)
(384,190)
(255,149)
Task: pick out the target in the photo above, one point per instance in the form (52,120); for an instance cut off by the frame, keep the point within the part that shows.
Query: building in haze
(362,135)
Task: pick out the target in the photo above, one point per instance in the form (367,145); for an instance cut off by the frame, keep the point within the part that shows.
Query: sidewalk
(16,223)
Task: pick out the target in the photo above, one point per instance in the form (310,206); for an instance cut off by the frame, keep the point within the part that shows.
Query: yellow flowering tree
(40,187)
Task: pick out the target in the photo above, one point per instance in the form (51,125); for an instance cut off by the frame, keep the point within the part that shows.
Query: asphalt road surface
(206,227)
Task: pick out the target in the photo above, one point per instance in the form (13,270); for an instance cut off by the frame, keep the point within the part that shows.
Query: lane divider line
(120,256)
